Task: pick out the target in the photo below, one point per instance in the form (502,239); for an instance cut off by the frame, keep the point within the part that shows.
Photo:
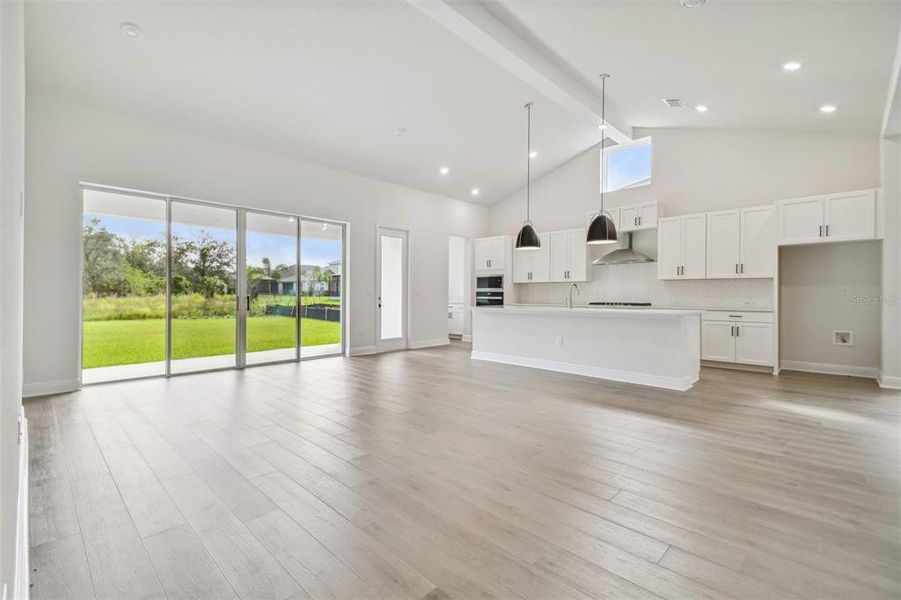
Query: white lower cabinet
(738,337)
(455,319)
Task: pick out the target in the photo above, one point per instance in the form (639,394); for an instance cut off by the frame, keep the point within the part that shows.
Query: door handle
(821,231)
(380,301)
(742,267)
(737,331)
(732,331)
(736,267)
(635,221)
(639,221)
(827,231)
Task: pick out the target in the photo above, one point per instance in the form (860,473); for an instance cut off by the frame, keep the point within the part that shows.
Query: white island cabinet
(655,347)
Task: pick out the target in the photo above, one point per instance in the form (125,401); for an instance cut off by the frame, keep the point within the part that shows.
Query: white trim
(891,382)
(830,369)
(659,381)
(467,337)
(44,388)
(363,350)
(22,570)
(415,345)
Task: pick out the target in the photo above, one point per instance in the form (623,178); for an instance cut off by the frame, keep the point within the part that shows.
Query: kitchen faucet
(578,291)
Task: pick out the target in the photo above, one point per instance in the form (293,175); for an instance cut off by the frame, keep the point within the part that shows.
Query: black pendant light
(527,238)
(602,230)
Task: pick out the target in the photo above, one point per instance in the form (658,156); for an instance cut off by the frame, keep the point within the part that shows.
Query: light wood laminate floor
(424,474)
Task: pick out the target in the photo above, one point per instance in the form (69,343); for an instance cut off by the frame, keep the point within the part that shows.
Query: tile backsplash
(639,283)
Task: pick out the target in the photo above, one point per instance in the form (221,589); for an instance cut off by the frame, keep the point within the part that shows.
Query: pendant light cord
(528,163)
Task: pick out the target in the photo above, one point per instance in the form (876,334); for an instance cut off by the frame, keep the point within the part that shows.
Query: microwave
(490,282)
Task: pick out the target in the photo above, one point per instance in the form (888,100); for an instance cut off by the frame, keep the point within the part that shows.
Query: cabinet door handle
(635,221)
(737,331)
(639,221)
(827,231)
(821,231)
(736,267)
(742,267)
(732,331)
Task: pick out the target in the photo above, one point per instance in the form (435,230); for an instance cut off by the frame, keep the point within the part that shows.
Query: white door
(540,263)
(801,220)
(392,289)
(578,255)
(559,255)
(850,216)
(628,218)
(647,215)
(694,246)
(669,248)
(754,344)
(717,341)
(758,244)
(723,247)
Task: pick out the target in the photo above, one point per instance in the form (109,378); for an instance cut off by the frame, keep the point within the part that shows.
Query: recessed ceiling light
(701,108)
(533,154)
(791,65)
(827,108)
(693,3)
(474,191)
(444,170)
(400,132)
(602,127)
(131,31)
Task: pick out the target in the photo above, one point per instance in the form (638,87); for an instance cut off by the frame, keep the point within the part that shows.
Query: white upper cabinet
(740,243)
(831,218)
(489,254)
(568,259)
(533,266)
(682,247)
(850,216)
(758,242)
(638,216)
(723,244)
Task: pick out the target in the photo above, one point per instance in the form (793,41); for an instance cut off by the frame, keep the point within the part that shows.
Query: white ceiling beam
(488,33)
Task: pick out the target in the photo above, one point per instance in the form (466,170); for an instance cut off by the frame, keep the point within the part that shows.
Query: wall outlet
(843,338)
(559,341)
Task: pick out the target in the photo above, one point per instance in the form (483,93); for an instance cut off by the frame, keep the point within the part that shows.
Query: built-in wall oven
(490,290)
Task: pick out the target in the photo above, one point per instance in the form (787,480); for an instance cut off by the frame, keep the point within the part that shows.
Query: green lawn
(121,342)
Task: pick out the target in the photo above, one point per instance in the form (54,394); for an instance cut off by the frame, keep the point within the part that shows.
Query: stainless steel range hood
(623,256)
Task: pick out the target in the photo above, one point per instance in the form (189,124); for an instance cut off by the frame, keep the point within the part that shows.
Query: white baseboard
(22,570)
(467,338)
(890,382)
(416,345)
(830,369)
(659,381)
(44,388)
(363,350)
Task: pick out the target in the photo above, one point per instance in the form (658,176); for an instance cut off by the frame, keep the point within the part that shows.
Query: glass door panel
(392,285)
(124,286)
(321,287)
(271,256)
(203,265)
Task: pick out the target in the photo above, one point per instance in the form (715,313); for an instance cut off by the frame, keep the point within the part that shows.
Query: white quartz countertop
(586,311)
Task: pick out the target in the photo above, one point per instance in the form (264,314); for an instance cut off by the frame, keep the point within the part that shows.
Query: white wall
(695,170)
(12,185)
(456,270)
(890,366)
(68,142)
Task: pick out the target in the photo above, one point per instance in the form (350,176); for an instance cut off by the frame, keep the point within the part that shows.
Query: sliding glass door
(271,248)
(177,286)
(123,305)
(203,258)
(321,257)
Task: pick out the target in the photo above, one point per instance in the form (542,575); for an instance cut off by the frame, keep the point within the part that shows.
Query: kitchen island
(647,346)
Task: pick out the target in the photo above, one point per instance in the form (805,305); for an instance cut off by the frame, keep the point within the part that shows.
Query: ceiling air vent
(673,102)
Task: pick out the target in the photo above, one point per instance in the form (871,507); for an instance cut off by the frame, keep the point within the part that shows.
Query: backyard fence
(322,312)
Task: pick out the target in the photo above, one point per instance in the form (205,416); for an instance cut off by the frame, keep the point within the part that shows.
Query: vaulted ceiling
(332,82)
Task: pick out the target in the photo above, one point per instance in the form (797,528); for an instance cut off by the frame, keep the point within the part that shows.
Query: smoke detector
(673,102)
